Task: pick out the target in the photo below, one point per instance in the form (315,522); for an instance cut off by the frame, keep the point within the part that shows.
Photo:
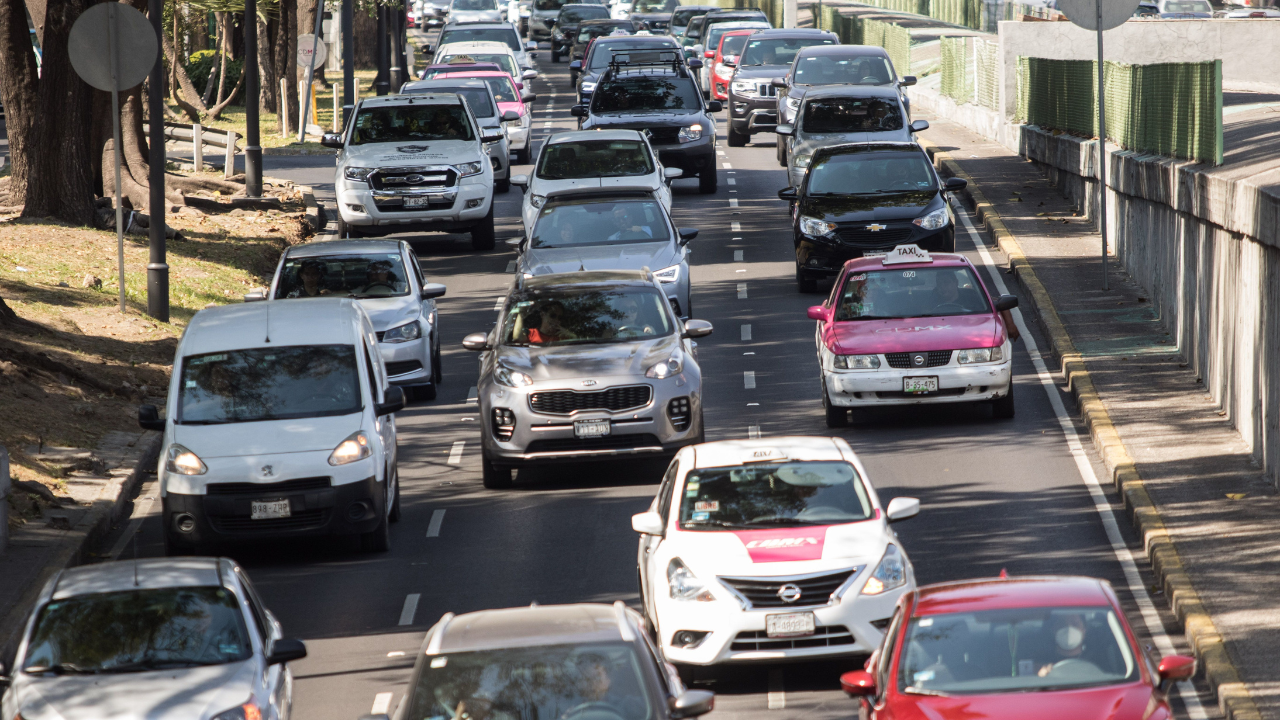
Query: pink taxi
(510,95)
(911,327)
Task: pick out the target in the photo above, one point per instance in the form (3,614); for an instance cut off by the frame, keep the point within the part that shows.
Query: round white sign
(1085,12)
(305,44)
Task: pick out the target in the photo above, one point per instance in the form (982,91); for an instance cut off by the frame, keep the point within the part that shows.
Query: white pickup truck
(415,164)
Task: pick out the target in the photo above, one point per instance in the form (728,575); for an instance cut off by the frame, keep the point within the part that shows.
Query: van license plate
(269,509)
(416,201)
(920,384)
(591,428)
(790,625)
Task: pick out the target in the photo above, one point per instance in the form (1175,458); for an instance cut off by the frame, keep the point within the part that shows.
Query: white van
(280,422)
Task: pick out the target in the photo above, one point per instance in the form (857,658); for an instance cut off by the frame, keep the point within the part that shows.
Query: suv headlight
(857,362)
(404,333)
(588,87)
(746,88)
(359,174)
(814,226)
(666,368)
(471,168)
(684,585)
(668,274)
(184,462)
(980,355)
(801,161)
(511,378)
(890,573)
(691,133)
(934,220)
(355,447)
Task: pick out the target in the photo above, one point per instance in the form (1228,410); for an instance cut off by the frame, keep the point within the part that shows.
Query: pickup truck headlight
(511,378)
(980,355)
(359,174)
(814,226)
(857,362)
(404,333)
(471,168)
(933,221)
(691,133)
(745,88)
(801,161)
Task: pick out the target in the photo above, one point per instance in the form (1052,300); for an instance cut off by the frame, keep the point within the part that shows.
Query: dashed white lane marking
(749,379)
(397,653)
(455,456)
(511,266)
(721,153)
(737,256)
(433,527)
(777,696)
(497,305)
(742,291)
(410,609)
(733,202)
(738,271)
(735,226)
(746,332)
(732,181)
(473,395)
(727,166)
(381,704)
(753,432)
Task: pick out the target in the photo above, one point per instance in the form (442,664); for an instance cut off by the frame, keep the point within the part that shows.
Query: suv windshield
(594,158)
(595,222)
(778,51)
(585,317)
(278,383)
(768,495)
(602,54)
(632,93)
(681,18)
(917,292)
(870,173)
(595,681)
(842,115)
(1015,650)
(827,70)
(380,275)
(580,13)
(654,6)
(436,121)
(506,35)
(138,631)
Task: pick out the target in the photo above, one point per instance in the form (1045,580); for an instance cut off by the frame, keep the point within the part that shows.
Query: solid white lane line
(1133,579)
(473,395)
(735,226)
(433,527)
(511,266)
(742,291)
(746,332)
(733,202)
(777,696)
(409,609)
(749,379)
(381,704)
(727,166)
(455,453)
(753,432)
(737,256)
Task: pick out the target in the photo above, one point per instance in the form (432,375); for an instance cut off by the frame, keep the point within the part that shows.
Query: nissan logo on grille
(789,593)
(919,359)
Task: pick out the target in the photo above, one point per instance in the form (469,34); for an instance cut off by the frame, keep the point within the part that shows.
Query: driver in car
(947,290)
(628,225)
(1068,632)
(632,322)
(601,699)
(311,275)
(378,275)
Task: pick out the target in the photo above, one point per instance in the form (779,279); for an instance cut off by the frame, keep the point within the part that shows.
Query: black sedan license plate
(591,428)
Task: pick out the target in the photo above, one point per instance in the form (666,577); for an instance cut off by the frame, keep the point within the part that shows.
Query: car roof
(596,277)
(315,321)
(576,135)
(655,39)
(850,148)
(343,247)
(531,627)
(795,33)
(397,100)
(482,25)
(1003,593)
(603,21)
(708,8)
(875,91)
(733,11)
(481,44)
(445,82)
(876,262)
(845,50)
(151,573)
(731,453)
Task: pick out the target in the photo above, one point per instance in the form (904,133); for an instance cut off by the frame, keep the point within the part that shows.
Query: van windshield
(277,383)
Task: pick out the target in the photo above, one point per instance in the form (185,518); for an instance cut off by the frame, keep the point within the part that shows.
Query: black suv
(767,55)
(566,28)
(654,91)
(585,73)
(867,198)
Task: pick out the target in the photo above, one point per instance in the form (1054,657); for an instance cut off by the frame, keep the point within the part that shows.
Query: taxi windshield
(585,318)
(915,292)
(771,495)
(1015,650)
(502,60)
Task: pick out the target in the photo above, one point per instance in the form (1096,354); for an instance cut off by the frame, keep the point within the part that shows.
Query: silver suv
(585,366)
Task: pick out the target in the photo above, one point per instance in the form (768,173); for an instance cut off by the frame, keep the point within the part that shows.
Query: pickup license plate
(416,201)
(790,624)
(269,509)
(920,384)
(591,428)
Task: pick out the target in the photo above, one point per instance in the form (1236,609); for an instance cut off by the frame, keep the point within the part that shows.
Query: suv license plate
(416,201)
(591,428)
(269,509)
(790,625)
(920,384)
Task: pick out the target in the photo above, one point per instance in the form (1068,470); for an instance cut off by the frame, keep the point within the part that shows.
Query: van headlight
(745,88)
(355,447)
(404,333)
(684,585)
(471,168)
(857,362)
(980,355)
(691,133)
(358,174)
(504,375)
(667,368)
(184,462)
(934,220)
(890,573)
(815,227)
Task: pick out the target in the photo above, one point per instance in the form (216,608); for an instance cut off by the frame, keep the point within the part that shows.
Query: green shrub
(204,63)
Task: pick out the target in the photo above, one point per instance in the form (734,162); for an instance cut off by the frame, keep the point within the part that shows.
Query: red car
(1049,648)
(725,59)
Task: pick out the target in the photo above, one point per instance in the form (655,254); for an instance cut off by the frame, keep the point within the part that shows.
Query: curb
(1207,643)
(75,547)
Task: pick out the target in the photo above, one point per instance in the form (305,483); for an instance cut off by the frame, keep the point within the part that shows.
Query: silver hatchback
(586,366)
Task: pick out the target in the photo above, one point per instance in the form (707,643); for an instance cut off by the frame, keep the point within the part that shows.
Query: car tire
(377,540)
(837,417)
(708,182)
(343,228)
(805,284)
(482,235)
(1002,408)
(495,477)
(523,155)
(780,146)
(501,187)
(737,139)
(437,372)
(394,516)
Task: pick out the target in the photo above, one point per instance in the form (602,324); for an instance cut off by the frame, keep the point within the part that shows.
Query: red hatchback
(725,60)
(1050,648)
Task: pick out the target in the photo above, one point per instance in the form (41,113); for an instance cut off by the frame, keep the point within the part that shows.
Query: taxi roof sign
(763,455)
(907,254)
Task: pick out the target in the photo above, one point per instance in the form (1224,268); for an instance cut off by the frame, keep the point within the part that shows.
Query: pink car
(911,327)
(510,96)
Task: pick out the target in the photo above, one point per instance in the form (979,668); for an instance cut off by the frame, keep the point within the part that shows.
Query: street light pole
(157,269)
(382,80)
(252,101)
(348,61)
(1102,150)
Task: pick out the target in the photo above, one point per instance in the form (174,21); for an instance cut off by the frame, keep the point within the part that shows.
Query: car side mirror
(512,116)
(693,703)
(332,140)
(476,342)
(255,296)
(528,98)
(433,290)
(1006,302)
(788,194)
(907,81)
(714,106)
(521,181)
(578,111)
(785,129)
(575,65)
(529,74)
(287,650)
(672,173)
(819,313)
(149,418)
(778,82)
(694,64)
(648,523)
(490,135)
(919,125)
(709,54)
(1173,668)
(428,49)
(955,184)
(531,45)
(858,683)
(901,508)
(392,401)
(687,234)
(697,328)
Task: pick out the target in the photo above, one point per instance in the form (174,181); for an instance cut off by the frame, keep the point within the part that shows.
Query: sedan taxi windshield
(916,292)
(600,223)
(596,316)
(770,495)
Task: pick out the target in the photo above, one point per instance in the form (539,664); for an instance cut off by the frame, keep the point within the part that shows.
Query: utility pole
(382,80)
(252,101)
(348,62)
(157,268)
(397,18)
(791,14)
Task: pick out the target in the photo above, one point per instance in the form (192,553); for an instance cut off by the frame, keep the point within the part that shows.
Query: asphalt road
(995,494)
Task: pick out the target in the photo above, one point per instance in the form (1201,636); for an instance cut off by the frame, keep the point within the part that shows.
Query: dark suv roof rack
(666,58)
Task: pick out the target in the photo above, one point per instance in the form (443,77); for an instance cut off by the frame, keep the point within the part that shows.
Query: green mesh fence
(968,13)
(956,77)
(895,39)
(986,73)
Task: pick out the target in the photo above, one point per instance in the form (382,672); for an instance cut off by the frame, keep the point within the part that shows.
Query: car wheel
(501,187)
(522,155)
(496,477)
(437,373)
(780,146)
(342,228)
(837,417)
(394,516)
(1002,408)
(379,538)
(482,237)
(737,139)
(707,181)
(806,284)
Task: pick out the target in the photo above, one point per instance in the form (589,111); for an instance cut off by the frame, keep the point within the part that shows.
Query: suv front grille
(420,178)
(567,402)
(609,442)
(902,360)
(814,590)
(861,236)
(822,637)
(665,134)
(276,488)
(766,90)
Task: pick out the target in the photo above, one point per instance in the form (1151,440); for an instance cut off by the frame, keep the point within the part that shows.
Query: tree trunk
(10,320)
(189,100)
(268,86)
(18,85)
(224,21)
(364,33)
(286,52)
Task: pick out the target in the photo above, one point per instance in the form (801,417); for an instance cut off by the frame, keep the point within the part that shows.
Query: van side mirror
(433,290)
(1006,302)
(149,418)
(286,650)
(332,140)
(392,401)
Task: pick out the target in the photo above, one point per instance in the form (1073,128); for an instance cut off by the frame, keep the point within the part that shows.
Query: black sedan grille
(269,489)
(417,178)
(902,361)
(861,236)
(567,402)
(763,592)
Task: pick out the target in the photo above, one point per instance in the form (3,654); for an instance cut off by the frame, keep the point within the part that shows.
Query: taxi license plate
(920,384)
(591,428)
(269,509)
(416,202)
(790,625)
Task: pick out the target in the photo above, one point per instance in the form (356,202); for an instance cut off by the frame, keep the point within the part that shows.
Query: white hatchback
(770,549)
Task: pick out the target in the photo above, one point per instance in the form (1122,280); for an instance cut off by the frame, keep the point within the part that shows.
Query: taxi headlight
(511,124)
(666,368)
(814,226)
(934,220)
(404,333)
(745,88)
(355,447)
(537,200)
(980,355)
(184,462)
(359,174)
(511,378)
(890,573)
(857,362)
(684,585)
(691,133)
(801,161)
(668,274)
(471,168)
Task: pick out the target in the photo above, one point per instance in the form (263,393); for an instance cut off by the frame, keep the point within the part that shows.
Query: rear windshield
(278,383)
(1187,6)
(502,35)
(913,292)
(826,70)
(600,223)
(681,18)
(602,54)
(594,158)
(578,14)
(640,93)
(871,173)
(549,4)
(778,51)
(411,122)
(477,99)
(502,89)
(842,115)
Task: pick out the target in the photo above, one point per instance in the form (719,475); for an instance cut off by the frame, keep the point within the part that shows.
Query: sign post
(311,52)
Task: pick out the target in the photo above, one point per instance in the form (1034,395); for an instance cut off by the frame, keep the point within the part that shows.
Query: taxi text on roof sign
(907,254)
(763,455)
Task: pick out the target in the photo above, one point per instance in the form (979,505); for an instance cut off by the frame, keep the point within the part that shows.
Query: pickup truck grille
(417,178)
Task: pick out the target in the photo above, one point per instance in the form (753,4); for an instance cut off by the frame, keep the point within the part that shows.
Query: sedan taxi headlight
(511,124)
(537,200)
(404,333)
(511,378)
(247,711)
(184,462)
(890,573)
(934,220)
(857,362)
(668,274)
(691,133)
(471,168)
(801,161)
(980,355)
(355,447)
(667,368)
(359,174)
(684,585)
(814,226)
(746,88)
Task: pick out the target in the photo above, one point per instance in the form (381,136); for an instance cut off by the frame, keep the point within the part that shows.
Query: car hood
(781,551)
(866,208)
(569,362)
(469,16)
(543,186)
(760,72)
(411,153)
(266,437)
(640,121)
(391,312)
(195,693)
(810,142)
(952,332)
(1132,701)
(632,256)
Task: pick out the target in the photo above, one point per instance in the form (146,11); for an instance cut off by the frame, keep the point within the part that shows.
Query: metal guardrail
(199,136)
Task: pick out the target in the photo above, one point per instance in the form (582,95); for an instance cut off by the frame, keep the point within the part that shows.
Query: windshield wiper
(718,523)
(156,664)
(776,519)
(912,690)
(59,669)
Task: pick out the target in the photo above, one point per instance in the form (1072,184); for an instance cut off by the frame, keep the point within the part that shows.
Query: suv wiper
(912,690)
(59,669)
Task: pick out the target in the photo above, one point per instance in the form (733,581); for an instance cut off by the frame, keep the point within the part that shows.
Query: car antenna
(268,331)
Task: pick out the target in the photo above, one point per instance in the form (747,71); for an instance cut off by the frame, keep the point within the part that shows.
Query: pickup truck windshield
(383,124)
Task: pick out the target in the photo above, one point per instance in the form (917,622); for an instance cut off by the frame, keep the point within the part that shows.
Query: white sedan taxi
(770,549)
